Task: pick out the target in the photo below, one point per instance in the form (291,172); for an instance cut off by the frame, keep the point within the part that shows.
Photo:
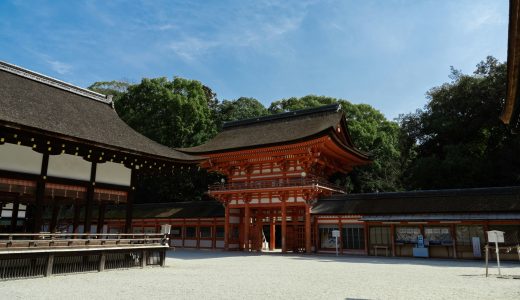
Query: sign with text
(495,236)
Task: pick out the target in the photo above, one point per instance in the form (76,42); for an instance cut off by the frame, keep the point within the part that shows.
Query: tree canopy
(457,140)
(239,109)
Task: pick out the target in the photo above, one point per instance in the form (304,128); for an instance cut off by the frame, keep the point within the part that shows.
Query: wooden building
(452,222)
(64,147)
(276,168)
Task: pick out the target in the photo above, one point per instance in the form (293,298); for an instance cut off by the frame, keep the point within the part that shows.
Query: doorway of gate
(277,236)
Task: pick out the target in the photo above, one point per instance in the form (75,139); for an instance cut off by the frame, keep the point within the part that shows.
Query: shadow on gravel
(189,254)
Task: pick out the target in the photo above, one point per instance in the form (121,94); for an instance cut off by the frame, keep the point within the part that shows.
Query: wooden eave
(53,135)
(511,112)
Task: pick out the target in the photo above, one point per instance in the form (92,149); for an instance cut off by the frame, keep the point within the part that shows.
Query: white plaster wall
(21,159)
(113,173)
(205,244)
(190,243)
(69,166)
(219,244)
(177,243)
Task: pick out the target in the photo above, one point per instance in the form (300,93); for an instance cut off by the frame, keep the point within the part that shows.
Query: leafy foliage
(174,113)
(239,109)
(115,88)
(457,140)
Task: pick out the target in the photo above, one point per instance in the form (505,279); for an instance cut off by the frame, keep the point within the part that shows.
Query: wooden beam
(101,217)
(247,224)
(90,199)
(54,218)
(40,195)
(75,220)
(307,228)
(284,224)
(14,214)
(130,202)
(226,226)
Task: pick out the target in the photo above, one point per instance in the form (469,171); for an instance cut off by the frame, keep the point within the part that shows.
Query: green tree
(457,140)
(115,88)
(371,132)
(239,109)
(174,113)
(177,113)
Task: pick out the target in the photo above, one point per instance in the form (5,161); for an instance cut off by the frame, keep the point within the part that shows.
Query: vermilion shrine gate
(276,168)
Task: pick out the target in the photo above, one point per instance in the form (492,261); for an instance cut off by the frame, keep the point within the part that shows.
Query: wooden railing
(276,184)
(25,255)
(12,241)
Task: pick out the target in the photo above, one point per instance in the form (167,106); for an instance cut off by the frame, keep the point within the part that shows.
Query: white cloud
(482,14)
(257,28)
(59,67)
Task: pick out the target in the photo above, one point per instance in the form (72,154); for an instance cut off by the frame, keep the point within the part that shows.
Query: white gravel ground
(224,275)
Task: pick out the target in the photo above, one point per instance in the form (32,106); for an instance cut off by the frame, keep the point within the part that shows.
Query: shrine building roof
(280,129)
(461,201)
(36,102)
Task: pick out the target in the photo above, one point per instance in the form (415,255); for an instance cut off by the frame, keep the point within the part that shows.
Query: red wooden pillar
(341,237)
(284,226)
(272,233)
(392,238)
(367,236)
(226,226)
(454,240)
(247,224)
(307,227)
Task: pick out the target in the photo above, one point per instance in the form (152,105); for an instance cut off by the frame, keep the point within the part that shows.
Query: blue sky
(383,53)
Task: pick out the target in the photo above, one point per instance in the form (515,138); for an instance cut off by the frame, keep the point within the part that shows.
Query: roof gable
(279,129)
(33,101)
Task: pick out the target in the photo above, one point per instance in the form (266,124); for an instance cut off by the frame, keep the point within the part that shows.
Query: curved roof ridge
(285,115)
(35,76)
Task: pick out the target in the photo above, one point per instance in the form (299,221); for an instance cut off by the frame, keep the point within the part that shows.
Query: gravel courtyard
(220,275)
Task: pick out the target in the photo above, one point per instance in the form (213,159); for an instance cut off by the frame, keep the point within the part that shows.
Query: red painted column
(367,236)
(392,238)
(307,228)
(247,224)
(272,234)
(226,226)
(284,226)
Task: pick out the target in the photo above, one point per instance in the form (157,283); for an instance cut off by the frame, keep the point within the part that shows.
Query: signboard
(420,241)
(495,236)
(475,242)
(335,235)
(166,228)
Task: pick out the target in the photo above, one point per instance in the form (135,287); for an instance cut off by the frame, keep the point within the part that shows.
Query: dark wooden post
(101,217)
(54,218)
(14,214)
(90,199)
(77,211)
(50,263)
(392,238)
(102,260)
(40,195)
(130,203)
